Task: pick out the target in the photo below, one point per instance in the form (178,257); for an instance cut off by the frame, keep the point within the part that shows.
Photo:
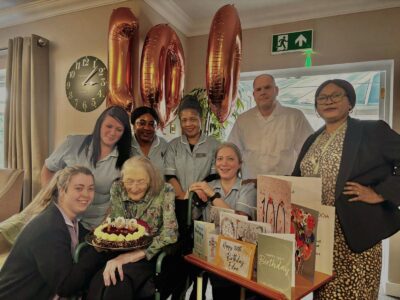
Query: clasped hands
(202,189)
(361,193)
(115,265)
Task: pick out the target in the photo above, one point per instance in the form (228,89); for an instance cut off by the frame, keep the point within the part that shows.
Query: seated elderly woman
(140,194)
(40,265)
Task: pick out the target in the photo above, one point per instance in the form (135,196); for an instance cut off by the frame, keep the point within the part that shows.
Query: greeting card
(275,262)
(235,256)
(201,232)
(273,203)
(305,224)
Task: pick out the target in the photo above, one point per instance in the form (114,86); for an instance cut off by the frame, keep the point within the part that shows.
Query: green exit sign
(292,41)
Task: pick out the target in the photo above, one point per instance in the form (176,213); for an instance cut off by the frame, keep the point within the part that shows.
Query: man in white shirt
(270,136)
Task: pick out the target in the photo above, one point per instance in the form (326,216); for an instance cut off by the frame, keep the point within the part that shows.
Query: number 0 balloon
(223,61)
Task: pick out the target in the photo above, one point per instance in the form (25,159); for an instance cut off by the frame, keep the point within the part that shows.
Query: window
(297,87)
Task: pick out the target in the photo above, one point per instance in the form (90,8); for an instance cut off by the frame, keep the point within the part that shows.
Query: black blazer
(371,157)
(40,262)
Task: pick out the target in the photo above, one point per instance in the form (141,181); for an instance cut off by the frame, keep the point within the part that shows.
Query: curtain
(27,110)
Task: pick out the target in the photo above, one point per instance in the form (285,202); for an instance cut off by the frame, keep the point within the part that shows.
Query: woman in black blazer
(359,163)
(40,264)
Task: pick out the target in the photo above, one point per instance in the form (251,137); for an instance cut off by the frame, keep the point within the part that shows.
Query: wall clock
(86,83)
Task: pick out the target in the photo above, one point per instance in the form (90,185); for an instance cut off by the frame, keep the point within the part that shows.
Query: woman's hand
(202,189)
(116,264)
(362,193)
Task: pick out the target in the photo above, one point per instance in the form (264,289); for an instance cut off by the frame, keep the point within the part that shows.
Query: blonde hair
(11,227)
(235,149)
(156,181)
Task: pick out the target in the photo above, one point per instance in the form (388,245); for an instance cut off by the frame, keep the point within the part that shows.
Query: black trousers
(138,283)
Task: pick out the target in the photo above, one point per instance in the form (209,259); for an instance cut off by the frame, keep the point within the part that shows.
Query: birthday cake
(122,233)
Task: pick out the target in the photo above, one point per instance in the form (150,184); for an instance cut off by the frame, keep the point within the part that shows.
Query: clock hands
(85,82)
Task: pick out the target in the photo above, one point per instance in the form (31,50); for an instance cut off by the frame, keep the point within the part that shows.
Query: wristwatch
(213,197)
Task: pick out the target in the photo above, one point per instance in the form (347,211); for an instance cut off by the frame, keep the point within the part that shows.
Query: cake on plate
(121,233)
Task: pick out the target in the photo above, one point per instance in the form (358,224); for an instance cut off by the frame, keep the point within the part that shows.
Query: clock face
(86,83)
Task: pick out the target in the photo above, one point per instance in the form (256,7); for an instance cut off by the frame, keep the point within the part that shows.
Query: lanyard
(316,160)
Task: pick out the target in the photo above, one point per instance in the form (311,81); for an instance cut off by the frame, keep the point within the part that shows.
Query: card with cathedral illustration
(275,262)
(201,232)
(273,203)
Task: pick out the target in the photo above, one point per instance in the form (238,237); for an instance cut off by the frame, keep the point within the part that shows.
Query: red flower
(310,222)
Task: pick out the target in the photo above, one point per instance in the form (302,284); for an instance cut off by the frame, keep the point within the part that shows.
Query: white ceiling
(193,17)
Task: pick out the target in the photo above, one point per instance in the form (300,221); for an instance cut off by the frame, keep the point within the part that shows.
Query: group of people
(113,172)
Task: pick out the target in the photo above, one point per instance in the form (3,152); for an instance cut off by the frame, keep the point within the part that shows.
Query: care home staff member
(359,163)
(40,264)
(145,141)
(103,152)
(269,135)
(190,157)
(140,194)
(228,191)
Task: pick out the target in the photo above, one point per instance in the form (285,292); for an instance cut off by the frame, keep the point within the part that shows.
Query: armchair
(11,184)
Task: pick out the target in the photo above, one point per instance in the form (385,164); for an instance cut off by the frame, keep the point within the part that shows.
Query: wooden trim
(302,288)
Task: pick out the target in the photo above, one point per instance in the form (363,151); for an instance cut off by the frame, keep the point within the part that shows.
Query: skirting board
(392,289)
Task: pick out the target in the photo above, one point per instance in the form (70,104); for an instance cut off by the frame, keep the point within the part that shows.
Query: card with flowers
(304,225)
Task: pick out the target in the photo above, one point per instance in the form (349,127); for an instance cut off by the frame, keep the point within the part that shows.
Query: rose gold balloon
(223,61)
(162,72)
(123,39)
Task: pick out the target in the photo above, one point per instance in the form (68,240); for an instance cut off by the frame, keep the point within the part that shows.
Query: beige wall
(72,36)
(350,38)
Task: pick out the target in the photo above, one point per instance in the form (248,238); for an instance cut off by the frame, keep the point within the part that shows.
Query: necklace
(315,160)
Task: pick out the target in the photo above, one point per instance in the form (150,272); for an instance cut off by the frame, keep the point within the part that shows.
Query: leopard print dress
(357,275)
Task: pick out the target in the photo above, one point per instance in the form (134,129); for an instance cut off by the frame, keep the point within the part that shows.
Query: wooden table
(302,288)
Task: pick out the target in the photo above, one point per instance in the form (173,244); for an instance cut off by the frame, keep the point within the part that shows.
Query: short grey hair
(156,181)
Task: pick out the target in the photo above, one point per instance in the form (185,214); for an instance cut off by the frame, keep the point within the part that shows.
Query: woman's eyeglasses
(144,123)
(131,182)
(336,97)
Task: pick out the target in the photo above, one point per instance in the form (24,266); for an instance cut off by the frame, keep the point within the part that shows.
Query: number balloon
(223,61)
(162,71)
(123,39)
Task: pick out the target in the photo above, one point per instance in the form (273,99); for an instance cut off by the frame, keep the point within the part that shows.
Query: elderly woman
(358,162)
(40,265)
(140,194)
(145,141)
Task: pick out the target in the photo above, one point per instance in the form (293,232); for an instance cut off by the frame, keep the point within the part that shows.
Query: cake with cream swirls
(121,233)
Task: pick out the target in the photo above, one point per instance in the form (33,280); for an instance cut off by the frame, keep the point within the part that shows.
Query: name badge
(201,154)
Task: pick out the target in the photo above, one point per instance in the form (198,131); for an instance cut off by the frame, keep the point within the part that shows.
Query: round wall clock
(86,83)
